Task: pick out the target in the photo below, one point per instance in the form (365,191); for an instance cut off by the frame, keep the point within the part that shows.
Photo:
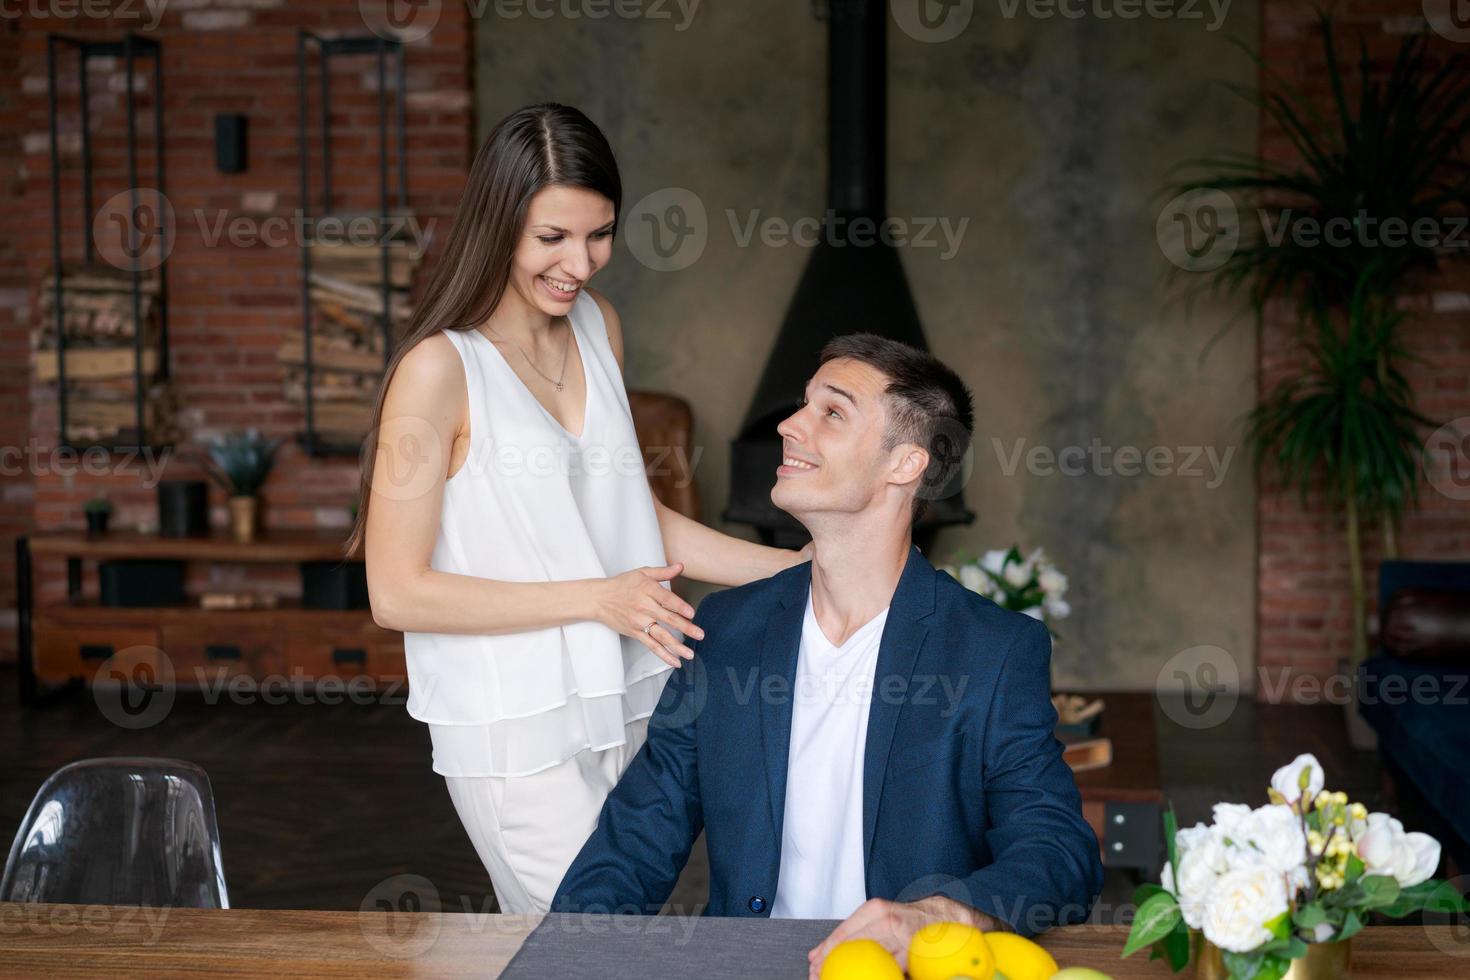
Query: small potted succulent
(98,509)
(240,463)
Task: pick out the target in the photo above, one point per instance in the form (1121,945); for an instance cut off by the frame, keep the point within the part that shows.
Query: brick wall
(1305,599)
(230,300)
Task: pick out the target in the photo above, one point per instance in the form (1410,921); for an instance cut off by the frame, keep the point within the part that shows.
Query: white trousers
(527,830)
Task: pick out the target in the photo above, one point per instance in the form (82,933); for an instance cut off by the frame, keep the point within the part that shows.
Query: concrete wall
(1050,136)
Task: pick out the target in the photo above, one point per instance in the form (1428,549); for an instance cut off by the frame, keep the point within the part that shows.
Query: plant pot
(1360,734)
(242,518)
(1323,961)
(97,521)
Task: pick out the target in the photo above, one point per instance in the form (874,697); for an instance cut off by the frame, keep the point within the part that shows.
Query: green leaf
(1378,890)
(1427,896)
(1154,920)
(1350,926)
(1171,827)
(1146,891)
(1273,967)
(1309,916)
(1176,947)
(1243,965)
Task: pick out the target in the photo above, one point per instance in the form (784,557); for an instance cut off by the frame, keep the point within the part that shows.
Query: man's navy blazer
(965,792)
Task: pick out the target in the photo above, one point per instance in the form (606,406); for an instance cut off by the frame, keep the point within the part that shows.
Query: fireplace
(851,283)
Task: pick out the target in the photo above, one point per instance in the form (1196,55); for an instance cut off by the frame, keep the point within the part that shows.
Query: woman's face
(567,237)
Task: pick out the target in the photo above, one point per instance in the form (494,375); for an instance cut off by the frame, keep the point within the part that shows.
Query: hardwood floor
(320,803)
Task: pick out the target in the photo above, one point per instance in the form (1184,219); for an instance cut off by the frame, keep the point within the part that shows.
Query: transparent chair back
(123,831)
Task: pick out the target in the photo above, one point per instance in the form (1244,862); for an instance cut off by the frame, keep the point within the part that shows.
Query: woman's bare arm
(721,559)
(423,413)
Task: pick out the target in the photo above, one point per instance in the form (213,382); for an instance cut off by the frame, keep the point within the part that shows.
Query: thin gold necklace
(565,348)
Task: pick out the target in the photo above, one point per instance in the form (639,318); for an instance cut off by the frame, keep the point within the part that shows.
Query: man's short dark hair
(928,405)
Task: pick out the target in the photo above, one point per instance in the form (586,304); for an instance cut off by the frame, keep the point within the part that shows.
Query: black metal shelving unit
(330,47)
(129,48)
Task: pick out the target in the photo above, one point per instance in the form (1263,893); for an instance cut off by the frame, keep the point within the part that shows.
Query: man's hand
(893,924)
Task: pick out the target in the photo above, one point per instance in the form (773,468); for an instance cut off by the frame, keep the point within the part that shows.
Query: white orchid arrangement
(1262,883)
(1032,585)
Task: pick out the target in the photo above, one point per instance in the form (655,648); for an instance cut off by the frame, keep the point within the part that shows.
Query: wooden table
(101,940)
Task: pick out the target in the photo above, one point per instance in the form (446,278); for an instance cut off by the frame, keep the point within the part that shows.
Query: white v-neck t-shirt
(822,862)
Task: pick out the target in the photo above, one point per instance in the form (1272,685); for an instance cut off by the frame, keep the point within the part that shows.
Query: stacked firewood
(347,344)
(100,357)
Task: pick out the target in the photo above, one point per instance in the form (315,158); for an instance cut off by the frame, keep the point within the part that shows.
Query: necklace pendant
(559,385)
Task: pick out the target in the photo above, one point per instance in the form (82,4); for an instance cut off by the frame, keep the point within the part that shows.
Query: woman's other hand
(628,602)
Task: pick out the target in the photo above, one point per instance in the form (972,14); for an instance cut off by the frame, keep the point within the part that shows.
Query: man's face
(832,446)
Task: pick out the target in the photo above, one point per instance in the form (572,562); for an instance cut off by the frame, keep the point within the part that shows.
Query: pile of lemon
(952,951)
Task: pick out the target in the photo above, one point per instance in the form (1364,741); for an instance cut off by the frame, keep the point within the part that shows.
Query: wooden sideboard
(67,642)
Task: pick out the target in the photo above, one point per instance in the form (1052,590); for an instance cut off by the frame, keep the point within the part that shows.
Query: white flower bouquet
(1261,884)
(1031,585)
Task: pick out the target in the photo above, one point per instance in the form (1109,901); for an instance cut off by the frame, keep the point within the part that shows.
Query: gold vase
(242,518)
(1323,961)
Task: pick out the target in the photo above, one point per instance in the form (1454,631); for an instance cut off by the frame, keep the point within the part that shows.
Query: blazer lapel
(779,650)
(898,650)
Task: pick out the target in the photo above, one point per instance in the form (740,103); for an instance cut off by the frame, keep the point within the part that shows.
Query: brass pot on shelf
(242,518)
(1323,961)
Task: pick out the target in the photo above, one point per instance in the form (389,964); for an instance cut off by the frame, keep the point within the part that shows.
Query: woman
(509,528)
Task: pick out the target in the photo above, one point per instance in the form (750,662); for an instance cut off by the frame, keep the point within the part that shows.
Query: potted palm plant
(1347,419)
(240,463)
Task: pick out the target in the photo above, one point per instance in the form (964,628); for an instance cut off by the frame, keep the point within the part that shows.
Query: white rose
(1274,833)
(1017,575)
(974,579)
(1232,819)
(1287,780)
(993,561)
(1386,850)
(1056,608)
(1201,853)
(1052,582)
(1033,611)
(1240,904)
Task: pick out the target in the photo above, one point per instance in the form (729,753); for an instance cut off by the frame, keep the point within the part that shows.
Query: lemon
(1019,958)
(942,950)
(860,959)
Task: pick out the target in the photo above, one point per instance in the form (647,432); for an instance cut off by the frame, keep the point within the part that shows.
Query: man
(860,737)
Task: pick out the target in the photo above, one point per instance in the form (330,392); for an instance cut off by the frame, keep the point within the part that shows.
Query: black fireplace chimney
(853,281)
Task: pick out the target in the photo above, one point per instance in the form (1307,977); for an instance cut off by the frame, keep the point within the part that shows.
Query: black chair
(124,831)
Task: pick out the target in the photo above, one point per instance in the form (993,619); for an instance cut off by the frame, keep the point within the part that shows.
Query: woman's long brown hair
(538,146)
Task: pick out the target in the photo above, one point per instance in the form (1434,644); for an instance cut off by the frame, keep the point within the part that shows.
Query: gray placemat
(637,947)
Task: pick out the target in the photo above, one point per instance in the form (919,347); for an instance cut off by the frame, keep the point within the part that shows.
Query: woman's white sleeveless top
(534,503)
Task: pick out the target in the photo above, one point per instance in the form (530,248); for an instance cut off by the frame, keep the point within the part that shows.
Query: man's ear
(910,461)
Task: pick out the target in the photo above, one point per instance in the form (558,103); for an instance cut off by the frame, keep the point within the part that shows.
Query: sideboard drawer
(210,654)
(66,652)
(345,654)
